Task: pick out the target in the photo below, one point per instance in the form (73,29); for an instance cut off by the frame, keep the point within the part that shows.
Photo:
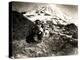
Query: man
(39,29)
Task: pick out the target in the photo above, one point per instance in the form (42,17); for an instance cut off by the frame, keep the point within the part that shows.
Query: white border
(4,26)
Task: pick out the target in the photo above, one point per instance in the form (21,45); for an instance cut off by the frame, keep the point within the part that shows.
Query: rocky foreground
(63,41)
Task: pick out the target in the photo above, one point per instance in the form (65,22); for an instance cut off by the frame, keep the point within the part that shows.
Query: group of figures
(39,31)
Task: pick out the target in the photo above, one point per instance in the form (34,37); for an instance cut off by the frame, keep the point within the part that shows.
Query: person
(39,27)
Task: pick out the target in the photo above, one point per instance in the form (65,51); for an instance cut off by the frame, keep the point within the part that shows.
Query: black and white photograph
(42,30)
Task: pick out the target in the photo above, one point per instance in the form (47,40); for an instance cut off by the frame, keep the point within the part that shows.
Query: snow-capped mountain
(46,13)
